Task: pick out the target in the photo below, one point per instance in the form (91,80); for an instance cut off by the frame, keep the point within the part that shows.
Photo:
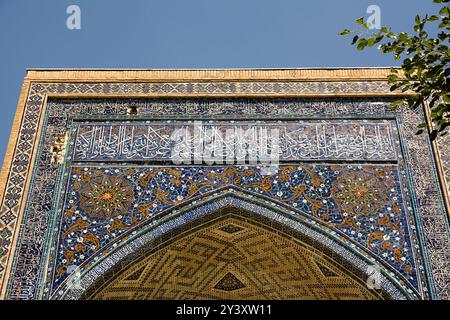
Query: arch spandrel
(104,203)
(215,239)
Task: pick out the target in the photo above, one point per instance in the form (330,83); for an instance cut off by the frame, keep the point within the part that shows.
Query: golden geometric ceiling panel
(233,258)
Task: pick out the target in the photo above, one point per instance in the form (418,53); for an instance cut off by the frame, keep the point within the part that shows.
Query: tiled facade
(352,165)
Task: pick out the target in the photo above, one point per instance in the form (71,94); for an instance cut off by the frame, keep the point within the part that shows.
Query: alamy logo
(74,279)
(374,20)
(73,21)
(374,277)
(236,144)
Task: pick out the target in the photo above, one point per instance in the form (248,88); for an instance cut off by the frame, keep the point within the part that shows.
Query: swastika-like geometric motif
(270,266)
(229,283)
(231,228)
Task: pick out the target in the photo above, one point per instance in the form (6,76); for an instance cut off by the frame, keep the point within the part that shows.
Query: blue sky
(184,34)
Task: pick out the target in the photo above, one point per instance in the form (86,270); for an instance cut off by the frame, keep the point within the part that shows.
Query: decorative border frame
(39,85)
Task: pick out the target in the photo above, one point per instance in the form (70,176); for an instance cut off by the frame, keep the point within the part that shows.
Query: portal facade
(151,184)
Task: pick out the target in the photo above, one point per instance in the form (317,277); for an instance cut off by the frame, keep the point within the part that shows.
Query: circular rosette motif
(106,196)
(360,193)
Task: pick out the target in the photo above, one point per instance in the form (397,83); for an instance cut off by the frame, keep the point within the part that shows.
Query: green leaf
(422,125)
(417,20)
(362,44)
(433,18)
(403,36)
(425,66)
(360,21)
(378,39)
(392,78)
(398,103)
(345,32)
(444,11)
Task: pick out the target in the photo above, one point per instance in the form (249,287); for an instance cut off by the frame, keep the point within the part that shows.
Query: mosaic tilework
(235,266)
(272,87)
(299,140)
(262,105)
(432,220)
(39,200)
(364,202)
(444,150)
(34,237)
(218,206)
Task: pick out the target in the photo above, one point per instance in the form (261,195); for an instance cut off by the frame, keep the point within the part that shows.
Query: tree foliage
(424,62)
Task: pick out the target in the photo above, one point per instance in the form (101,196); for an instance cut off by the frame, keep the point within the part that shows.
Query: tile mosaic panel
(365,202)
(299,140)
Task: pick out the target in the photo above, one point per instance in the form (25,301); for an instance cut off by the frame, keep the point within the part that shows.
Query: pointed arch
(138,244)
